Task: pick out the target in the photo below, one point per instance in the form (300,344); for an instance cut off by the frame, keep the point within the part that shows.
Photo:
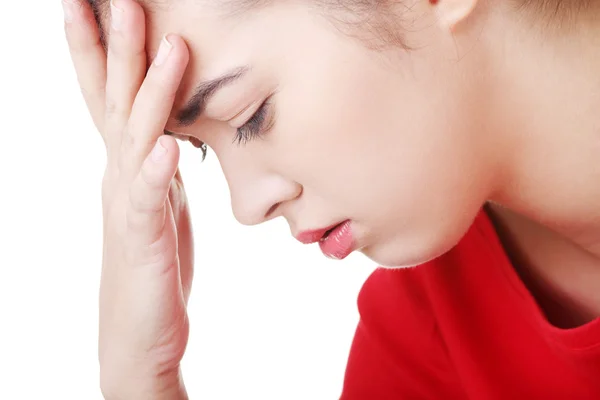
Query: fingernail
(163,52)
(159,151)
(116,16)
(67,6)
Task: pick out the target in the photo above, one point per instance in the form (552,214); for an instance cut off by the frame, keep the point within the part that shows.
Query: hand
(148,248)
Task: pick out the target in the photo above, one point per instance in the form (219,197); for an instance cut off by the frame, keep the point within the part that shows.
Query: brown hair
(553,7)
(101,12)
(554,13)
(379,23)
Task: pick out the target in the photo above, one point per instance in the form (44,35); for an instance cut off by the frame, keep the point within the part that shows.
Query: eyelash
(254,127)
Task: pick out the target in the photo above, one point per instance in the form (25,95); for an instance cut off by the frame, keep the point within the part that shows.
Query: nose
(260,199)
(259,190)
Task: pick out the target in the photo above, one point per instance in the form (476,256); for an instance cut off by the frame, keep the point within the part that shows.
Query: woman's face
(317,128)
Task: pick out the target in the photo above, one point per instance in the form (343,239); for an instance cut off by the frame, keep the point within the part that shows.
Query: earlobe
(451,13)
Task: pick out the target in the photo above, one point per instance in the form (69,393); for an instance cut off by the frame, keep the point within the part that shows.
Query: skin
(412,164)
(449,130)
(488,106)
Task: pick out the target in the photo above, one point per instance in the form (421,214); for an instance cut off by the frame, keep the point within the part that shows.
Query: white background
(271,319)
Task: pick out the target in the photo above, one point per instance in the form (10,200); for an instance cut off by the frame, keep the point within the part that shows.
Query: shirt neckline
(582,338)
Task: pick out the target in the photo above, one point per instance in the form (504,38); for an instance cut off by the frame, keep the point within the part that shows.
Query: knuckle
(126,162)
(72,39)
(150,177)
(138,50)
(136,143)
(139,237)
(173,334)
(113,170)
(125,152)
(114,49)
(126,47)
(81,43)
(156,251)
(69,38)
(92,93)
(162,84)
(121,164)
(144,205)
(111,108)
(128,141)
(141,254)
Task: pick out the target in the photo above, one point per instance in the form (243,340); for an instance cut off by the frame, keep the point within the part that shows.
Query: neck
(546,204)
(548,109)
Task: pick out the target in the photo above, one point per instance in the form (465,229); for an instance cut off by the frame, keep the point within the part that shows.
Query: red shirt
(464,326)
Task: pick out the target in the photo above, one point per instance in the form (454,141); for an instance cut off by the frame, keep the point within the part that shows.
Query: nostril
(271,210)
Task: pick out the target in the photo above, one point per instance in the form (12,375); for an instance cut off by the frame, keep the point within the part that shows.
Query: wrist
(165,387)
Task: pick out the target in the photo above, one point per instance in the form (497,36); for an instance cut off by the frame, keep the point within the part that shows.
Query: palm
(165,314)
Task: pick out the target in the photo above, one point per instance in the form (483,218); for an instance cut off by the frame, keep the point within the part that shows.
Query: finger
(88,56)
(146,211)
(126,64)
(153,103)
(181,215)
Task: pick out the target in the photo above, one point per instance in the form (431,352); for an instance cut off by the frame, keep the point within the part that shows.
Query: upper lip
(313,236)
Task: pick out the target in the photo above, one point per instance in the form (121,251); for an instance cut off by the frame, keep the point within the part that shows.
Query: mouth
(339,242)
(316,235)
(328,232)
(336,241)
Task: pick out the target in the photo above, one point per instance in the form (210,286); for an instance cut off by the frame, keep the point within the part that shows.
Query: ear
(451,13)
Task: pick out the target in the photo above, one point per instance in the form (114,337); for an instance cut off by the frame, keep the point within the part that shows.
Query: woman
(461,136)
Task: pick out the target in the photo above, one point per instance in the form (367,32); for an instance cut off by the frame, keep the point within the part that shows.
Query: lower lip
(339,243)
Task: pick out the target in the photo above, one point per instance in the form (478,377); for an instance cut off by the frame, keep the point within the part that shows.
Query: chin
(394,260)
(408,252)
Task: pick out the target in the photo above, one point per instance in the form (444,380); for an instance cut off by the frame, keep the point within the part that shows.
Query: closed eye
(256,125)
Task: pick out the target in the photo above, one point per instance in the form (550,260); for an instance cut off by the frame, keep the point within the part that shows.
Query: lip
(337,245)
(313,236)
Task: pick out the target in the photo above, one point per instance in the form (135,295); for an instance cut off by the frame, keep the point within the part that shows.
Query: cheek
(326,126)
(343,138)
(390,148)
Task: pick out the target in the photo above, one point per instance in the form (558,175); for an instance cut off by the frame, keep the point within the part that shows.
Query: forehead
(218,40)
(194,20)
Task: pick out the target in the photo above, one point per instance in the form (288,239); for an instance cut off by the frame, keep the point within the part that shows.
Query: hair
(553,8)
(101,13)
(378,23)
(556,14)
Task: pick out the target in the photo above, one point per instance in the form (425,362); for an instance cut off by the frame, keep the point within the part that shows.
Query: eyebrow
(203,93)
